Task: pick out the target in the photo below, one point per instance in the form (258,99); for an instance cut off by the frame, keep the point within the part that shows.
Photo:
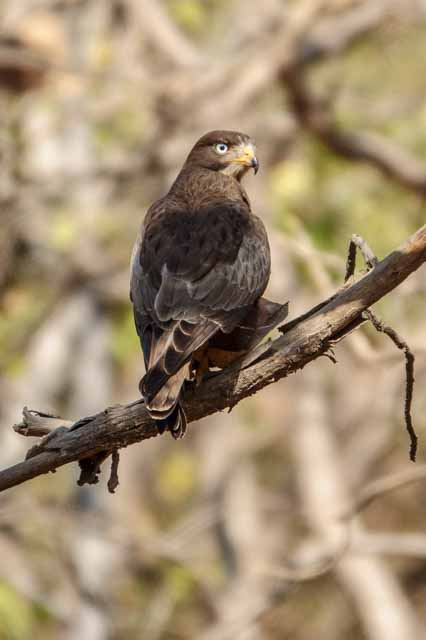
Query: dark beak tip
(255,165)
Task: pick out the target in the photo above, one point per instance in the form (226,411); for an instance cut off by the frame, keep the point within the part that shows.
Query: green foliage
(190,14)
(63,230)
(125,125)
(176,477)
(22,310)
(15,614)
(332,199)
(181,582)
(125,342)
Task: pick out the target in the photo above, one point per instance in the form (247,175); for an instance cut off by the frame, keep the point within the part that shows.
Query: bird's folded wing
(212,269)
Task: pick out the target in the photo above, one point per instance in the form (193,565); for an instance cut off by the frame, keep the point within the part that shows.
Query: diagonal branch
(316,115)
(302,341)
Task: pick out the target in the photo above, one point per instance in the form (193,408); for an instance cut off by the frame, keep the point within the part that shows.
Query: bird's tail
(168,367)
(164,407)
(175,423)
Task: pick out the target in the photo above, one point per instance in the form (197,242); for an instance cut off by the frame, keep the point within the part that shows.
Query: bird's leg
(202,368)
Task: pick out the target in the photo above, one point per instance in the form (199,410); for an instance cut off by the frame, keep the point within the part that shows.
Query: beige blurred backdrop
(236,531)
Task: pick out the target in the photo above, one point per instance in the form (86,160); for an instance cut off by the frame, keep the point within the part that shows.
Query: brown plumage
(199,267)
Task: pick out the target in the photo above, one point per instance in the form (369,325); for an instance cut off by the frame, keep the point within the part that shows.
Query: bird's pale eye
(221,148)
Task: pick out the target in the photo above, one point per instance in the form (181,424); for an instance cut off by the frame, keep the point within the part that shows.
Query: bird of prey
(199,267)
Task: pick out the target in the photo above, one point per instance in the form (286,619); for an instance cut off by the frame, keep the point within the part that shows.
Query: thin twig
(400,343)
(370,259)
(325,561)
(382,486)
(357,242)
(113,481)
(34,423)
(90,468)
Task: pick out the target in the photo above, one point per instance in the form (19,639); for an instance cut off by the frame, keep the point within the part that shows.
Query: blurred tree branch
(316,116)
(303,340)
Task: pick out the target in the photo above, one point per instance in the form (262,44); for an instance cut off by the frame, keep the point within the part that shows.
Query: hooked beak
(248,158)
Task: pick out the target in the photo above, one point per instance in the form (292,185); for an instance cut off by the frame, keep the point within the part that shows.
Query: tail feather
(170,363)
(165,400)
(175,423)
(164,408)
(168,366)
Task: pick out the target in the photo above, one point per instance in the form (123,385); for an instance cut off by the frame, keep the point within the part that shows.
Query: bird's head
(229,152)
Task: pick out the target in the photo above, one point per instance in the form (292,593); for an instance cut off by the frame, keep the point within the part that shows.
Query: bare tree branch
(303,341)
(320,477)
(163,33)
(377,488)
(315,115)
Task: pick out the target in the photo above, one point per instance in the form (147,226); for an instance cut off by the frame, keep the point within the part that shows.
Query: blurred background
(212,537)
